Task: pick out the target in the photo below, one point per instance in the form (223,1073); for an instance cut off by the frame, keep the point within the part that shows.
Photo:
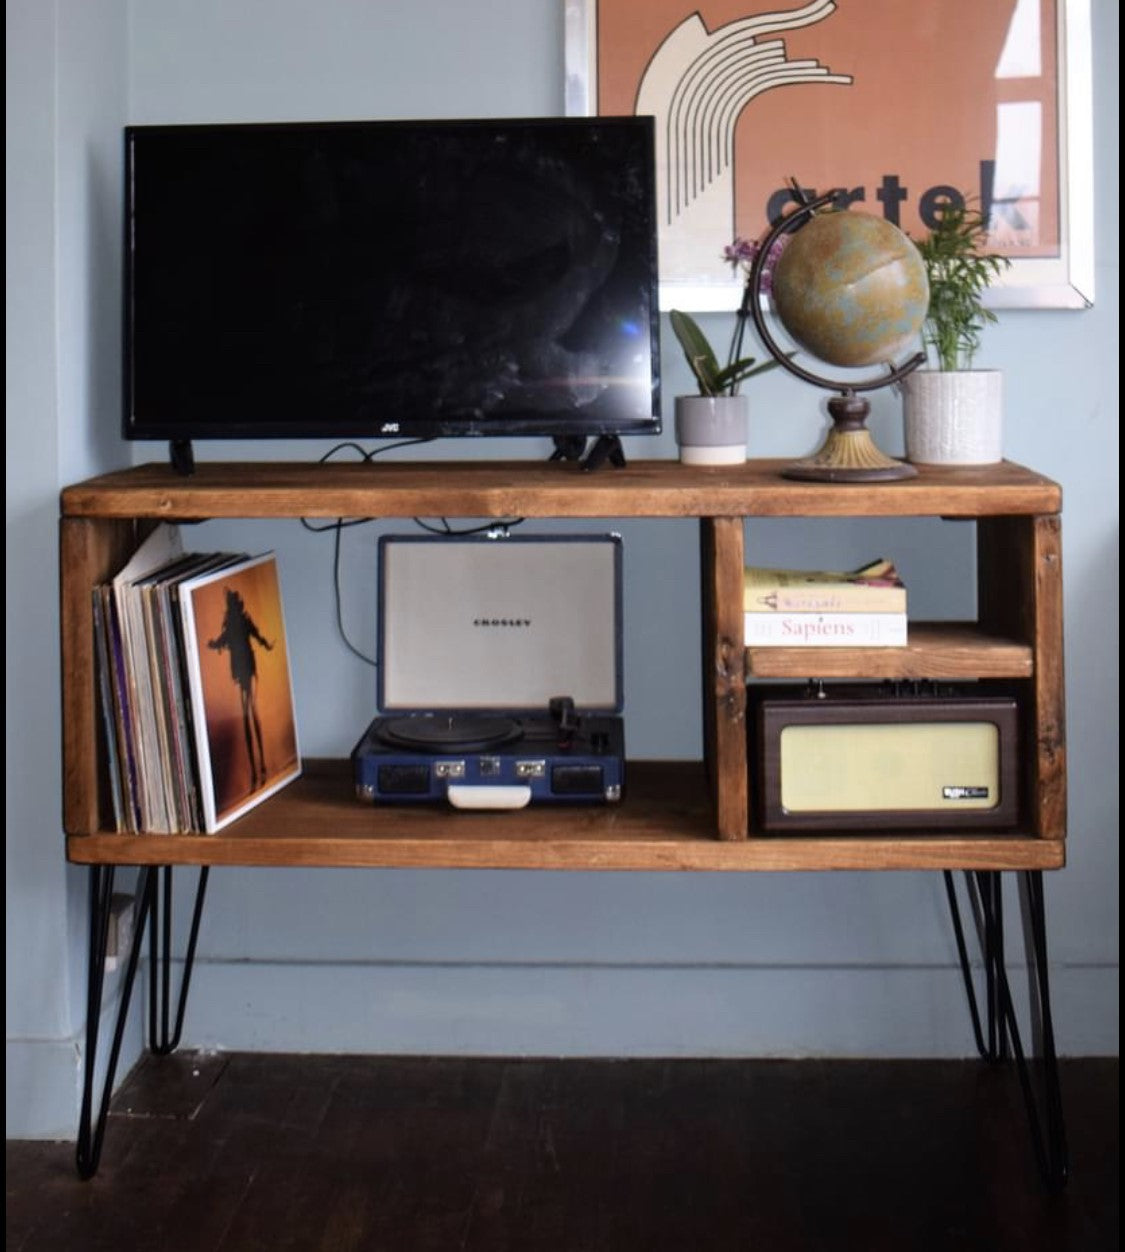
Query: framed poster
(899,105)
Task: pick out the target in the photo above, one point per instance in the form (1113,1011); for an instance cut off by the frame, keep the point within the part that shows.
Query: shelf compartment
(934,650)
(664,823)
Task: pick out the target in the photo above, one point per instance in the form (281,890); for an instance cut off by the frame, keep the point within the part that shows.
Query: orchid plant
(724,380)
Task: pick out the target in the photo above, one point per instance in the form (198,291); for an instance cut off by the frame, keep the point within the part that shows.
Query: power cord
(338,526)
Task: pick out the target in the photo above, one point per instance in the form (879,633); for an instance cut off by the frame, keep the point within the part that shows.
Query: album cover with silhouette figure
(241,689)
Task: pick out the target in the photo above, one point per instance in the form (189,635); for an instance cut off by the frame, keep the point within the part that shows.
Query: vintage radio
(896,756)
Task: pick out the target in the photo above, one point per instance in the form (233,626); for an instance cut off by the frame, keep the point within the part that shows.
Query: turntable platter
(459,733)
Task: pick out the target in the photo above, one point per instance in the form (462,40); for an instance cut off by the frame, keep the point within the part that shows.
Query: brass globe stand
(848,454)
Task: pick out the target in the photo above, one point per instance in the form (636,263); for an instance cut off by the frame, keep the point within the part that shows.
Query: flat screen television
(405,279)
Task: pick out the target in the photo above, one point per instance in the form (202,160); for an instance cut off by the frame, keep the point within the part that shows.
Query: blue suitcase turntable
(499,673)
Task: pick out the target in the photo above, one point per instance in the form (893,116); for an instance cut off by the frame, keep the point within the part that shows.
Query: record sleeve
(237,660)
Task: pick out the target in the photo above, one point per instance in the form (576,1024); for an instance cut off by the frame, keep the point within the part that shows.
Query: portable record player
(500,676)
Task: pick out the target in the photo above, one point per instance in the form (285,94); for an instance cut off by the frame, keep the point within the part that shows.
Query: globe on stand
(851,289)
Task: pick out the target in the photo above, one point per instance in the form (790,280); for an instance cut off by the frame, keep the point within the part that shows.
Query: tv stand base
(182,457)
(604,448)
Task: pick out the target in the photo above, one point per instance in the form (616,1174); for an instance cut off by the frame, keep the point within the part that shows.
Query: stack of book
(193,686)
(861,608)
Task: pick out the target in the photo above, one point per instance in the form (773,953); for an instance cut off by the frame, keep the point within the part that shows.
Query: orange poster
(902,105)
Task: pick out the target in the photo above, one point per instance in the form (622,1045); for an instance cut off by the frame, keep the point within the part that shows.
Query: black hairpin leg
(1048,1132)
(91,1130)
(160,964)
(91,1127)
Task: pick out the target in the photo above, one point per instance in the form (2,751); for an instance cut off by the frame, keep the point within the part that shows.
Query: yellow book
(873,588)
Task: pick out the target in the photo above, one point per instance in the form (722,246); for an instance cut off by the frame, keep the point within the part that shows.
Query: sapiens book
(825,630)
(872,588)
(237,661)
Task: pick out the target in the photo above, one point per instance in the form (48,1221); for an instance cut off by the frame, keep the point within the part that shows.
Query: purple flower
(741,254)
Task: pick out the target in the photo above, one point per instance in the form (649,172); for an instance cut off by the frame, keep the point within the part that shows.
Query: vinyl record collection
(175,718)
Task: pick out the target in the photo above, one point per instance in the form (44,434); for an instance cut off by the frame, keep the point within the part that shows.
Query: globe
(851,289)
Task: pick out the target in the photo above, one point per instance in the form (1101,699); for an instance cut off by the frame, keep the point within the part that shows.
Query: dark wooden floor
(241,1152)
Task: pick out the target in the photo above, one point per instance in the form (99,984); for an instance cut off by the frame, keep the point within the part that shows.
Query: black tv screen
(391,279)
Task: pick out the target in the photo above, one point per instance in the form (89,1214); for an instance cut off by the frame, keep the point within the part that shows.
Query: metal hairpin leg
(90,1131)
(985,895)
(160,950)
(91,1128)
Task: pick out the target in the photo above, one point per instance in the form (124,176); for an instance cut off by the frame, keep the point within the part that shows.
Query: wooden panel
(665,823)
(1005,576)
(1049,683)
(547,489)
(724,676)
(1019,562)
(757,855)
(935,650)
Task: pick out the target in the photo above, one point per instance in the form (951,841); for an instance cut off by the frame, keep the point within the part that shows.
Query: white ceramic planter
(711,430)
(954,417)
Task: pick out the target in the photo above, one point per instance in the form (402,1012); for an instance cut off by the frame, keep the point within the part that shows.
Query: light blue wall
(499,962)
(66,101)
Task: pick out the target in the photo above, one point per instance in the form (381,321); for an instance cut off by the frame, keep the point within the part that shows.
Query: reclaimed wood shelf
(688,815)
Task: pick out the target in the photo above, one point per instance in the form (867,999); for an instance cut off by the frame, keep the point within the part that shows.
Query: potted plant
(953,413)
(711,426)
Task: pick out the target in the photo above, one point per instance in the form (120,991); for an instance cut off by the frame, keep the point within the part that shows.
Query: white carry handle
(488,797)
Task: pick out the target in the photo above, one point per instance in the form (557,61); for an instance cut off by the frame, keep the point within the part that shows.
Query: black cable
(447,531)
(340,523)
(339,604)
(337,527)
